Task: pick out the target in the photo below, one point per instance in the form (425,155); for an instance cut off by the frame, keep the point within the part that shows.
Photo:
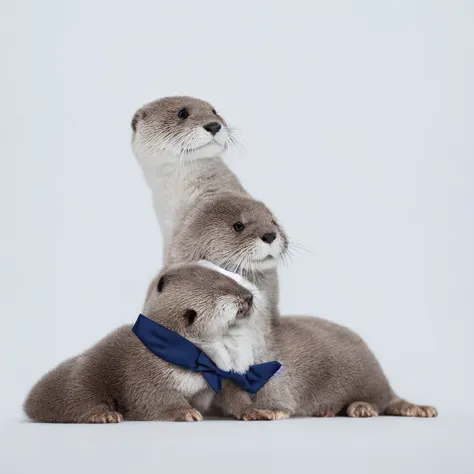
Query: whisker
(298,247)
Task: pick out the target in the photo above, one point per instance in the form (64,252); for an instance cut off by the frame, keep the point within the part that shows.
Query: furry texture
(331,370)
(198,200)
(179,158)
(183,168)
(328,369)
(119,378)
(207,232)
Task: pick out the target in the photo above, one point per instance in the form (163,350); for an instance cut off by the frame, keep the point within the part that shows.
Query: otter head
(237,233)
(198,302)
(179,128)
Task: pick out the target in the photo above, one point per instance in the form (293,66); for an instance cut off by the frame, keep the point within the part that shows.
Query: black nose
(269,237)
(248,298)
(212,127)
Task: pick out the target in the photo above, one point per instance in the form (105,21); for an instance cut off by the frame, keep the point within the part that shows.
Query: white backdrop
(357,119)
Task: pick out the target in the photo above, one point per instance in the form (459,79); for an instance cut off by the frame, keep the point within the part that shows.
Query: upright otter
(328,369)
(120,378)
(178,142)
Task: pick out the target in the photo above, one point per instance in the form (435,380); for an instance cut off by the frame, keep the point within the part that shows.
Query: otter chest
(189,383)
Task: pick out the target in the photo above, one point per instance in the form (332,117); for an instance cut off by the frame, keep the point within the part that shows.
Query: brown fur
(206,232)
(331,371)
(160,118)
(333,367)
(119,377)
(328,369)
(180,159)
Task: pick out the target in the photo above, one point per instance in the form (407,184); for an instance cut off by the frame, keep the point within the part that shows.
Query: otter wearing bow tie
(172,363)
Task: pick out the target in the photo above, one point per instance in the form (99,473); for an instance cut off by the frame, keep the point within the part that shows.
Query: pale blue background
(357,118)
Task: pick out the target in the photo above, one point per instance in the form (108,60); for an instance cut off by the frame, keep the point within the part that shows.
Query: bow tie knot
(251,381)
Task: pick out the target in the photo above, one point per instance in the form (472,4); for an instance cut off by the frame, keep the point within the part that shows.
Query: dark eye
(190,316)
(183,114)
(214,111)
(239,227)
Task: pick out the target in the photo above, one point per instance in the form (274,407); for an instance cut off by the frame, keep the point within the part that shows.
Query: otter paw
(418,411)
(104,417)
(254,414)
(281,414)
(185,415)
(324,414)
(361,410)
(427,412)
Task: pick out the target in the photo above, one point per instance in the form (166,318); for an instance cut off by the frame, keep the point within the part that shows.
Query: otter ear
(190,316)
(161,284)
(138,115)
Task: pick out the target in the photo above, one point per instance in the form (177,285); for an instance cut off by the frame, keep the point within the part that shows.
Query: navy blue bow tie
(177,350)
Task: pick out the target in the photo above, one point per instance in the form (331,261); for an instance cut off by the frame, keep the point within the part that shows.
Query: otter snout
(212,127)
(269,237)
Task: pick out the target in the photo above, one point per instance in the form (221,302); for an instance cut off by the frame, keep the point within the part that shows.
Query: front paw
(103,416)
(254,414)
(184,415)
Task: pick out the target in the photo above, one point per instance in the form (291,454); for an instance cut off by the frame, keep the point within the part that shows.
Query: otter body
(329,367)
(115,379)
(120,378)
(179,142)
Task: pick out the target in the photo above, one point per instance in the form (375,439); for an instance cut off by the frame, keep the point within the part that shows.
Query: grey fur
(328,369)
(119,378)
(180,160)
(206,232)
(331,371)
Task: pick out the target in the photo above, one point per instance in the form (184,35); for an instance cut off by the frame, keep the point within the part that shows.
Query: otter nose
(248,299)
(212,127)
(269,237)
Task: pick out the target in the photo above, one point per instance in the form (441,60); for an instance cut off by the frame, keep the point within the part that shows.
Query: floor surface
(381,445)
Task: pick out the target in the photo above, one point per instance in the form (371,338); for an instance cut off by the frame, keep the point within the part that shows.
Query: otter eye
(190,316)
(239,227)
(214,111)
(183,113)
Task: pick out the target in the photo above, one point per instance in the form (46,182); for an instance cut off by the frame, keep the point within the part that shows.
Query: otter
(327,368)
(179,142)
(119,378)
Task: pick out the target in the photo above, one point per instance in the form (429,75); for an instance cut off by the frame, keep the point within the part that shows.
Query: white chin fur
(261,253)
(207,151)
(196,145)
(262,265)
(235,276)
